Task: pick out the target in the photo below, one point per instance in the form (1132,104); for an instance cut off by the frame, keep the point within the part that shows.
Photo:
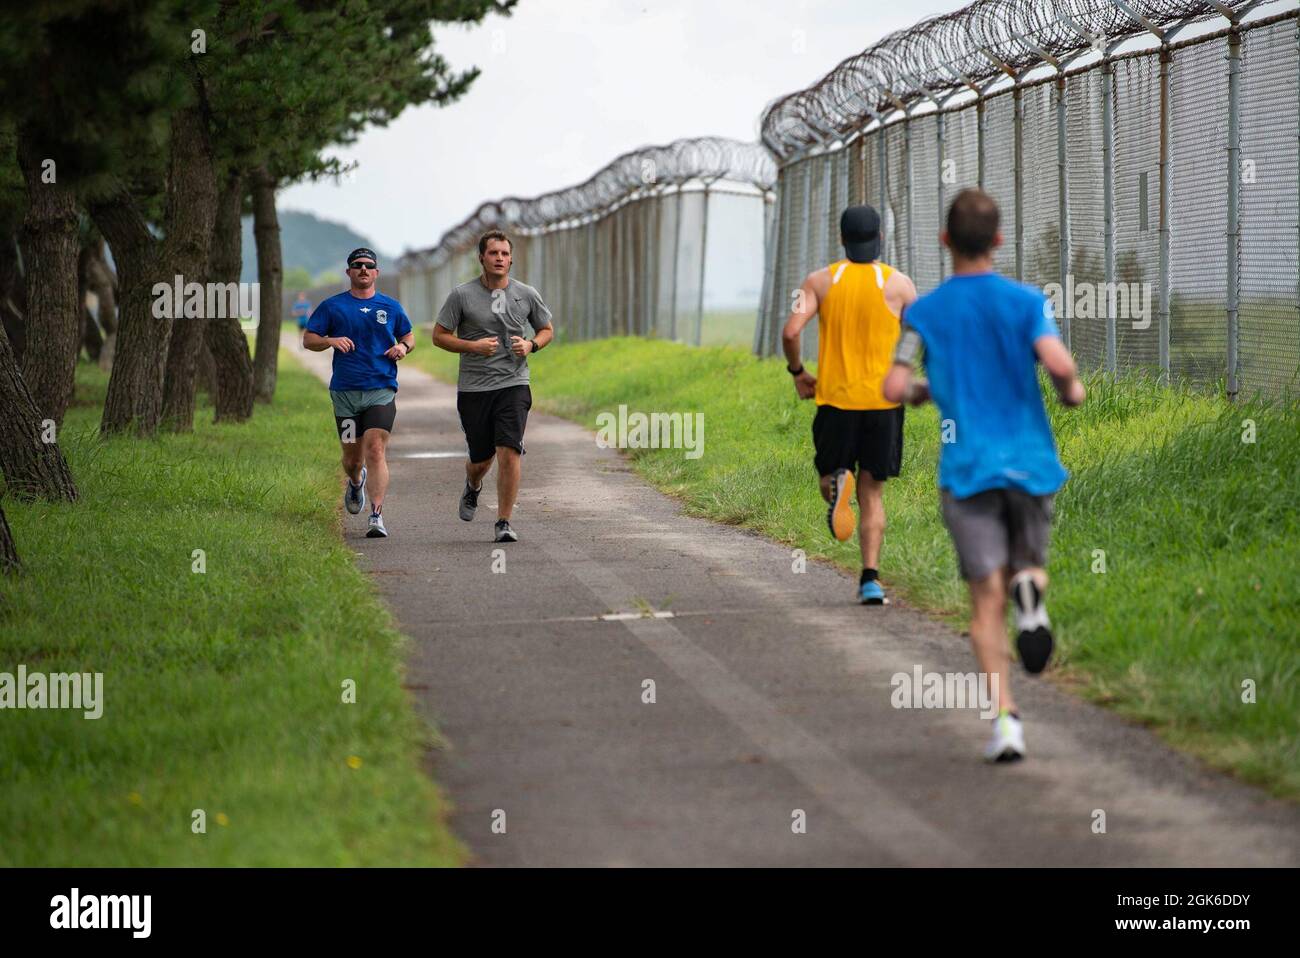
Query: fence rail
(1150,185)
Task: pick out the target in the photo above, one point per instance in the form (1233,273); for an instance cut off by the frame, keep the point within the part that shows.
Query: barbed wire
(644,171)
(962,50)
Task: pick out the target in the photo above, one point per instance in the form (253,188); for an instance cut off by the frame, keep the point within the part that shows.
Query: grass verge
(222,690)
(1194,527)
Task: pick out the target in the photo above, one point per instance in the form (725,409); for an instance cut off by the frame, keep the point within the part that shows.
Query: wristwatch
(536,347)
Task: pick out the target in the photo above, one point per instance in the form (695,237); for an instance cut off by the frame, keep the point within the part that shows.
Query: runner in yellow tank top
(856,431)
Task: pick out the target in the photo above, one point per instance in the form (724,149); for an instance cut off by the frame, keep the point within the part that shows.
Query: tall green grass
(223,689)
(1196,528)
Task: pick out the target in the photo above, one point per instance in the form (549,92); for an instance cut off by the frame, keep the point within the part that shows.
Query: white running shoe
(1008,742)
(376,530)
(354,497)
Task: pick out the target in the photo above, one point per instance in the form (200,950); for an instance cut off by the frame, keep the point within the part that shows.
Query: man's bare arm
(444,338)
(1058,362)
(317,343)
(806,304)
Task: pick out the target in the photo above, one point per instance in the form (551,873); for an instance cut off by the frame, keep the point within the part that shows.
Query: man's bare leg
(353,458)
(508,470)
(988,634)
(871,519)
(475,471)
(374,445)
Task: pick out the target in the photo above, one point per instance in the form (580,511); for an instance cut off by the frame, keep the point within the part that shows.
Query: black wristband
(794,372)
(536,345)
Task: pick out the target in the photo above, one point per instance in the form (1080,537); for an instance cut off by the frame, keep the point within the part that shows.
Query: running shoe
(840,516)
(1008,742)
(870,593)
(1034,641)
(376,530)
(504,532)
(354,497)
(469,501)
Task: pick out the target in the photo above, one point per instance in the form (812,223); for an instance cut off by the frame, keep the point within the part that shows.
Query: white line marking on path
(869,809)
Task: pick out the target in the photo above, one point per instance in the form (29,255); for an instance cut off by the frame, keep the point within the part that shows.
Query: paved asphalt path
(771,692)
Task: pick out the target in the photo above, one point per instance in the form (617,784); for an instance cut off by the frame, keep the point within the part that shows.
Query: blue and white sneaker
(354,497)
(376,530)
(870,593)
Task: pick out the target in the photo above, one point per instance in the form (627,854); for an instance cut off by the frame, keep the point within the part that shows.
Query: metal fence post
(981,130)
(1234,198)
(771,216)
(882,166)
(942,152)
(1018,175)
(1108,198)
(1163,306)
(704,258)
(911,225)
(677,255)
(1063,207)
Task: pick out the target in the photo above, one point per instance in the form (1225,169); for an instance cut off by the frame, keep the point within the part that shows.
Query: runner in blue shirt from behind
(983,336)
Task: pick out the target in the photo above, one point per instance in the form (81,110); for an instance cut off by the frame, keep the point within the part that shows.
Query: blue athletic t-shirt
(978,331)
(373,325)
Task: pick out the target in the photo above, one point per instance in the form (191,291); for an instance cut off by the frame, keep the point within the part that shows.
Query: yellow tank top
(856,333)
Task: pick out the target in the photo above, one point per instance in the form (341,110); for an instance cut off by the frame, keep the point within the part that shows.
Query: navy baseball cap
(860,233)
(362,252)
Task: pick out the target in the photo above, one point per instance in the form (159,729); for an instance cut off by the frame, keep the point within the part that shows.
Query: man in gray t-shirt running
(487,321)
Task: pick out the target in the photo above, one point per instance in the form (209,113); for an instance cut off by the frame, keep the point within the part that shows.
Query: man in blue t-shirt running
(369,332)
(982,336)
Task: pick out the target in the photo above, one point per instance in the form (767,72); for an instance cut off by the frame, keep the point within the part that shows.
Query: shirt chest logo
(382,316)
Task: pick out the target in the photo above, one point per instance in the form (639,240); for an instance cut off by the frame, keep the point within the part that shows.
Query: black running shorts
(853,439)
(492,418)
(372,417)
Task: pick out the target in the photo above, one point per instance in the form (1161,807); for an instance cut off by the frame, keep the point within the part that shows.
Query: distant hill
(310,242)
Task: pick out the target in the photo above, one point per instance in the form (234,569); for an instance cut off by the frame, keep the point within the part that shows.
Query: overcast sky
(567,85)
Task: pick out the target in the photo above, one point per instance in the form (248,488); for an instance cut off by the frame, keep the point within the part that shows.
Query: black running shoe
(505,533)
(1034,641)
(469,501)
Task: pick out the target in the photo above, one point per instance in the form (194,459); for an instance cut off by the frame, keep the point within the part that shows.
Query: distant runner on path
(301,311)
(856,430)
(369,332)
(983,336)
(487,321)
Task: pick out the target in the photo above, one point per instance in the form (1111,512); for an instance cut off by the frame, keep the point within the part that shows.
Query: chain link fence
(1145,157)
(665,241)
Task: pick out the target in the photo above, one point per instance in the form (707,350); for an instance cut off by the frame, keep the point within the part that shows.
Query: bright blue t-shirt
(373,325)
(979,331)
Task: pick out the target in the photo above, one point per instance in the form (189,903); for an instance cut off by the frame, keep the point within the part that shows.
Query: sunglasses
(362,266)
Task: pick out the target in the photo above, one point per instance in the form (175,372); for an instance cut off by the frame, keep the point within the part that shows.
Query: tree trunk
(135,387)
(270,275)
(232,365)
(207,374)
(8,551)
(53,319)
(13,295)
(32,467)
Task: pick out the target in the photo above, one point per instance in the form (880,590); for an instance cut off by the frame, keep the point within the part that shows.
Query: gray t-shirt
(473,311)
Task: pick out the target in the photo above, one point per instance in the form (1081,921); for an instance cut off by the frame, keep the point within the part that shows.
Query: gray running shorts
(996,528)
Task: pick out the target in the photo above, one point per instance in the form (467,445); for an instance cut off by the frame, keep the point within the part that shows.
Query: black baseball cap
(860,233)
(362,252)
